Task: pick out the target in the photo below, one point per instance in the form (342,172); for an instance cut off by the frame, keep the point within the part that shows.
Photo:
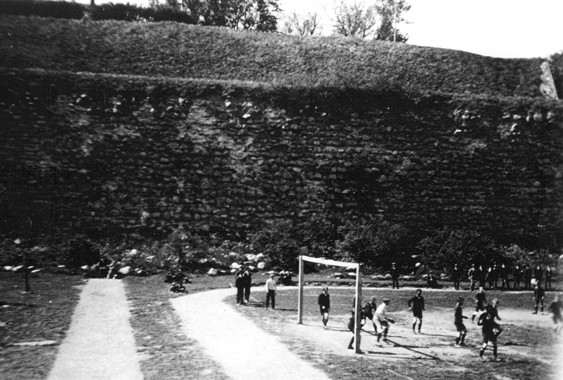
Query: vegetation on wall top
(189,51)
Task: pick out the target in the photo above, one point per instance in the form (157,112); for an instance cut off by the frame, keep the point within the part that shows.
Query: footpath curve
(245,351)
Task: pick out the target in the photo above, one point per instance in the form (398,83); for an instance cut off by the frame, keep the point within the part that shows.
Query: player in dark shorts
(458,321)
(480,302)
(324,305)
(416,304)
(490,329)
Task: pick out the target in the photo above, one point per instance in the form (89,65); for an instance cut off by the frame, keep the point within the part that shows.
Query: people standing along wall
(456,277)
(395,275)
(472,277)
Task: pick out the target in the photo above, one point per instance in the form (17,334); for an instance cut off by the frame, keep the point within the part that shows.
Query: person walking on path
(456,277)
(247,284)
(324,305)
(480,302)
(458,322)
(416,304)
(490,330)
(395,275)
(382,320)
(539,295)
(239,284)
(271,291)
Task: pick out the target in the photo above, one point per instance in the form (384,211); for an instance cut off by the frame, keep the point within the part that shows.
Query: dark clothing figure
(456,277)
(324,305)
(538,274)
(351,326)
(239,284)
(416,304)
(555,308)
(431,281)
(503,276)
(490,330)
(482,273)
(528,278)
(539,295)
(472,277)
(548,278)
(395,276)
(247,284)
(458,322)
(492,277)
(480,303)
(517,277)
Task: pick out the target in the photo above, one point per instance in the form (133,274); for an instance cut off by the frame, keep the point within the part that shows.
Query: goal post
(357,297)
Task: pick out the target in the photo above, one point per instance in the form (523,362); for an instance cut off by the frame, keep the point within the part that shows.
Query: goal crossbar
(357,298)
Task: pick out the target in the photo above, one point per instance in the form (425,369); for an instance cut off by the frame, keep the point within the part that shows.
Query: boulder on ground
(125,270)
(261,265)
(212,272)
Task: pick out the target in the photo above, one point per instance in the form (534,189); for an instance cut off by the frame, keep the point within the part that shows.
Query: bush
(444,248)
(55,9)
(122,12)
(279,241)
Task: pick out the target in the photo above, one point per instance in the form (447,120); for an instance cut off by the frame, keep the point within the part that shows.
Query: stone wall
(104,155)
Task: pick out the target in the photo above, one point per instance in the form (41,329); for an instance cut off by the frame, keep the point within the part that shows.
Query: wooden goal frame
(358,296)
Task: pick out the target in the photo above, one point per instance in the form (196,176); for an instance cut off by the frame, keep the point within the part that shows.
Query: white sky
(499,28)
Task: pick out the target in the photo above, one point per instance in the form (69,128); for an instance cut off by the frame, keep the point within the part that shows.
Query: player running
(490,329)
(458,321)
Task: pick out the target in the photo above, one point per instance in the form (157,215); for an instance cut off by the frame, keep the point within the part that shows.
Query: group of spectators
(496,276)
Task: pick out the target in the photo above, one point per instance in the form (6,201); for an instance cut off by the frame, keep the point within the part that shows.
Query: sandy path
(99,343)
(236,343)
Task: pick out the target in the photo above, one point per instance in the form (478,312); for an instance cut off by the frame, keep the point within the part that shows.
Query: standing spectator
(491,330)
(456,277)
(492,277)
(239,283)
(528,277)
(555,308)
(517,277)
(382,321)
(247,283)
(482,274)
(538,274)
(539,295)
(271,291)
(480,302)
(503,275)
(472,277)
(458,321)
(395,275)
(324,305)
(431,281)
(416,304)
(548,275)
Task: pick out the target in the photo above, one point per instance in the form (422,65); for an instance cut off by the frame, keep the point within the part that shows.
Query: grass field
(41,315)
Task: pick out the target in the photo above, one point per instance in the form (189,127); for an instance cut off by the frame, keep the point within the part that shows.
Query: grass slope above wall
(177,50)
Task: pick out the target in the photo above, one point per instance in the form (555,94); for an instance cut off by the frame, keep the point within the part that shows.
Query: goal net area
(358,295)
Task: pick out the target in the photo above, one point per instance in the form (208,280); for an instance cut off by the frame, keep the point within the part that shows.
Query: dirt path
(236,343)
(99,343)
